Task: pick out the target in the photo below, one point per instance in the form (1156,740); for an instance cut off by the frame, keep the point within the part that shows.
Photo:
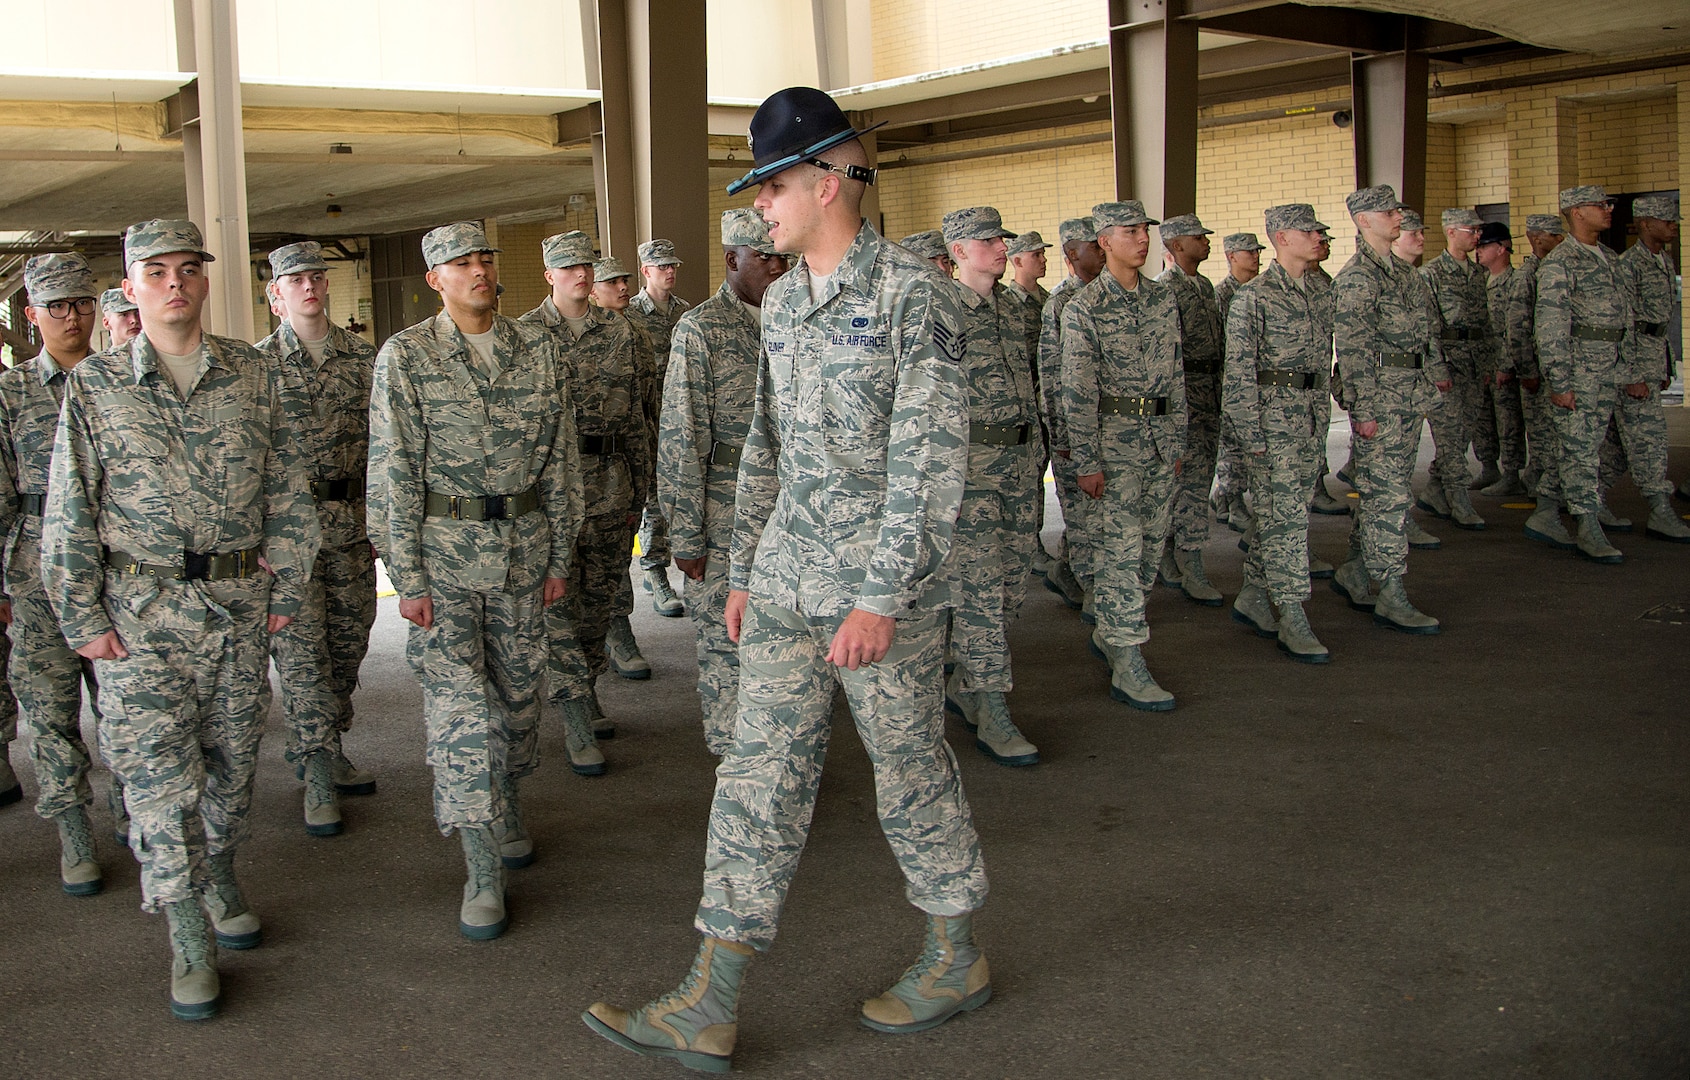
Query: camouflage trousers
(766,784)
(8,700)
(1075,547)
(1499,431)
(1294,426)
(599,591)
(318,654)
(1129,526)
(718,656)
(48,676)
(1231,475)
(992,552)
(654,538)
(1582,429)
(480,666)
(182,716)
(1636,442)
(1384,465)
(1454,419)
(1197,468)
(1543,440)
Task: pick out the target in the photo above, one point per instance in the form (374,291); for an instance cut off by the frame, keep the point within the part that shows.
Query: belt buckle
(196,566)
(495,507)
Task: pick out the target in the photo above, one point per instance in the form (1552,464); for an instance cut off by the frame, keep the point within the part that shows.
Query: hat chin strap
(849,172)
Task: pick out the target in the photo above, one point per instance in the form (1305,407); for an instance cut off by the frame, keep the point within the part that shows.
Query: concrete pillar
(1537,168)
(1153,105)
(613,153)
(1388,92)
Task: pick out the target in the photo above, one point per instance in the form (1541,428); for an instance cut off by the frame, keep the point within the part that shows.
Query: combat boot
(1319,568)
(624,651)
(1593,543)
(322,805)
(1130,682)
(1683,491)
(1088,608)
(696,1023)
(1664,522)
(1240,517)
(1193,582)
(516,848)
(1544,526)
(1253,609)
(1168,571)
(349,779)
(1296,637)
(10,790)
(1488,475)
(1041,560)
(997,736)
(1394,610)
(1418,539)
(119,812)
(79,869)
(482,915)
(1324,502)
(1352,583)
(1461,509)
(603,726)
(964,703)
(234,924)
(663,598)
(950,976)
(585,757)
(1346,473)
(195,991)
(1063,583)
(1508,483)
(1610,520)
(1432,499)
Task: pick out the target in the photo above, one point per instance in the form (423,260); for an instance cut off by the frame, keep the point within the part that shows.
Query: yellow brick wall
(1481,163)
(1629,146)
(915,36)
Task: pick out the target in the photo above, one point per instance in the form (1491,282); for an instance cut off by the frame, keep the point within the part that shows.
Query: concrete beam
(1153,105)
(217,160)
(1389,97)
(667,60)
(613,148)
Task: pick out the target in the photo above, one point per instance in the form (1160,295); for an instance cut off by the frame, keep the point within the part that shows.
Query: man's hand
(6,612)
(1365,429)
(1064,454)
(1532,384)
(105,647)
(1564,401)
(552,591)
(1503,378)
(1637,390)
(1092,484)
(735,613)
(278,623)
(862,639)
(633,520)
(419,611)
(1445,387)
(693,568)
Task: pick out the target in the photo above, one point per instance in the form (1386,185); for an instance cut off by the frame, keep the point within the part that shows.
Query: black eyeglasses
(60,309)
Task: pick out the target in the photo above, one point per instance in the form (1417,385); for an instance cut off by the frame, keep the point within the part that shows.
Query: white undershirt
(318,349)
(577,327)
(818,286)
(483,346)
(180,369)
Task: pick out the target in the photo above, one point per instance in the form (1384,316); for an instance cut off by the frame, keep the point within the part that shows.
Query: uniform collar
(143,357)
(46,368)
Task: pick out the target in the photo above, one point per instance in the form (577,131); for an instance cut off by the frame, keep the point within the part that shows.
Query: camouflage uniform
(1543,437)
(441,427)
(1278,360)
(1032,308)
(1203,350)
(318,654)
(1637,437)
(849,486)
(659,326)
(1073,549)
(707,403)
(1501,412)
(142,482)
(1458,290)
(1231,478)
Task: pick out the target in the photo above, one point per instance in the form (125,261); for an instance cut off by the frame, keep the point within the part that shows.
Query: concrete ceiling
(1568,25)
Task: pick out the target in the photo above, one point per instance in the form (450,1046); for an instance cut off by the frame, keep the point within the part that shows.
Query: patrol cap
(745,227)
(161,236)
(791,127)
(973,223)
(1458,217)
(1240,241)
(1411,221)
(1184,225)
(113,302)
(609,268)
(1583,195)
(454,241)
(929,244)
(1659,207)
(1083,229)
(658,253)
(1297,215)
(1379,197)
(1545,223)
(1110,215)
(1027,241)
(567,249)
(1495,232)
(297,258)
(60,276)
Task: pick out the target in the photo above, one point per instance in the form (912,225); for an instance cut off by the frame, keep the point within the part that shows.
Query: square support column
(1538,170)
(1388,92)
(1153,105)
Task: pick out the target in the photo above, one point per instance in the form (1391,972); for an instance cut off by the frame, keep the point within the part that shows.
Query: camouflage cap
(1184,225)
(1083,229)
(1027,241)
(745,227)
(1297,215)
(1495,232)
(929,244)
(161,236)
(454,241)
(1583,195)
(297,258)
(609,268)
(1659,207)
(1411,221)
(974,223)
(1459,217)
(567,249)
(1545,223)
(60,276)
(659,253)
(113,302)
(1240,241)
(1375,199)
(1111,215)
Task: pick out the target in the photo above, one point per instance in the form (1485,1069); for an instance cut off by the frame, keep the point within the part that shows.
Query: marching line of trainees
(842,451)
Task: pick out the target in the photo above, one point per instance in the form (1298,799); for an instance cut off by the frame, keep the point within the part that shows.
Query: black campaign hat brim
(781,164)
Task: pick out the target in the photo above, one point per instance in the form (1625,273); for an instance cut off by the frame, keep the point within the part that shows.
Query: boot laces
(77,832)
